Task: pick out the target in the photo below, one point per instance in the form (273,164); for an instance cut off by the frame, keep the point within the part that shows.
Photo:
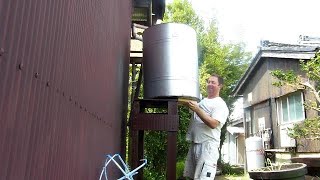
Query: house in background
(233,149)
(270,110)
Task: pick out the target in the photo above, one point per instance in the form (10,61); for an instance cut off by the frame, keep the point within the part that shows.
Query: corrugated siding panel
(63,86)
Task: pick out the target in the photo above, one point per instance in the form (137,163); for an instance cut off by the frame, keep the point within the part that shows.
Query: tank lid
(167,31)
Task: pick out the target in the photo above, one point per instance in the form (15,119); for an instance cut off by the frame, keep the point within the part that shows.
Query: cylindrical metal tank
(170,62)
(255,153)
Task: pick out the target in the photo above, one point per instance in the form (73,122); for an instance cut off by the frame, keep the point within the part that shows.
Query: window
(248,122)
(290,108)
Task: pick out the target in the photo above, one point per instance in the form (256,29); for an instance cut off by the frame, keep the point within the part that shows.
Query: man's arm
(208,120)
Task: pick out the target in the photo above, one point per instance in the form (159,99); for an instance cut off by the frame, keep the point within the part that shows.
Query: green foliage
(149,174)
(312,68)
(179,169)
(229,62)
(228,169)
(152,175)
(181,11)
(309,128)
(284,77)
(183,145)
(155,152)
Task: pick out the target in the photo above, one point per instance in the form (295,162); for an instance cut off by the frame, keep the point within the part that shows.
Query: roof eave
(264,53)
(238,87)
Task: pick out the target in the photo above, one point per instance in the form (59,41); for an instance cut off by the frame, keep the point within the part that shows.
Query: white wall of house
(232,151)
(229,149)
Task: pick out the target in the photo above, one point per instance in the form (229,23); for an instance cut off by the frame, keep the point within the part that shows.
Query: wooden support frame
(142,121)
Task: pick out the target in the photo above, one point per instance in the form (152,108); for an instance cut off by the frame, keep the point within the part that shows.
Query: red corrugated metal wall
(63,86)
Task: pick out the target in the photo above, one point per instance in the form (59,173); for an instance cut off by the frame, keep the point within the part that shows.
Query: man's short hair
(220,79)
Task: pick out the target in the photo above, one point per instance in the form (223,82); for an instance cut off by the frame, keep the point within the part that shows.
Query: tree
(181,11)
(310,128)
(230,61)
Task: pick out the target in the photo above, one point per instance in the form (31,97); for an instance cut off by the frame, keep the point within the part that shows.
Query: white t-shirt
(199,132)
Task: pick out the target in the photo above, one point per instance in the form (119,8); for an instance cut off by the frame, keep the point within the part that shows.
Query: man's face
(213,85)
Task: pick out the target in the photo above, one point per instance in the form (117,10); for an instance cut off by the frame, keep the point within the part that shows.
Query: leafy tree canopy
(181,11)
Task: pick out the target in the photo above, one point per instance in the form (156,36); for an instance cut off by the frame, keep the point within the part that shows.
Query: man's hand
(193,105)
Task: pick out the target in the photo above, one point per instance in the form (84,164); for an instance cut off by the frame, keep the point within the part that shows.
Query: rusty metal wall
(63,86)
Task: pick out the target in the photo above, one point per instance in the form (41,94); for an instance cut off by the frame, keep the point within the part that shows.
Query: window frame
(248,122)
(286,97)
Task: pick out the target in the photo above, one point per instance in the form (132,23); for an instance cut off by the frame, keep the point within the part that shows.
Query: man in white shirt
(204,132)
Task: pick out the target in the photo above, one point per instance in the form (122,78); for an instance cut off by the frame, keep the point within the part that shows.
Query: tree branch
(313,90)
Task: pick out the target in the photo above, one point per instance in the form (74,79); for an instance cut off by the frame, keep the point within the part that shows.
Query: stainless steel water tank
(170,62)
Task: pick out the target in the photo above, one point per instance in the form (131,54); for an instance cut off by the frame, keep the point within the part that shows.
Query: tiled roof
(276,50)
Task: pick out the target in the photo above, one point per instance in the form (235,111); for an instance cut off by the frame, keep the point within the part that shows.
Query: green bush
(309,128)
(154,175)
(180,168)
(228,169)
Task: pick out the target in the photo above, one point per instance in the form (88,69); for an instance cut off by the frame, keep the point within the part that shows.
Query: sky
(251,21)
